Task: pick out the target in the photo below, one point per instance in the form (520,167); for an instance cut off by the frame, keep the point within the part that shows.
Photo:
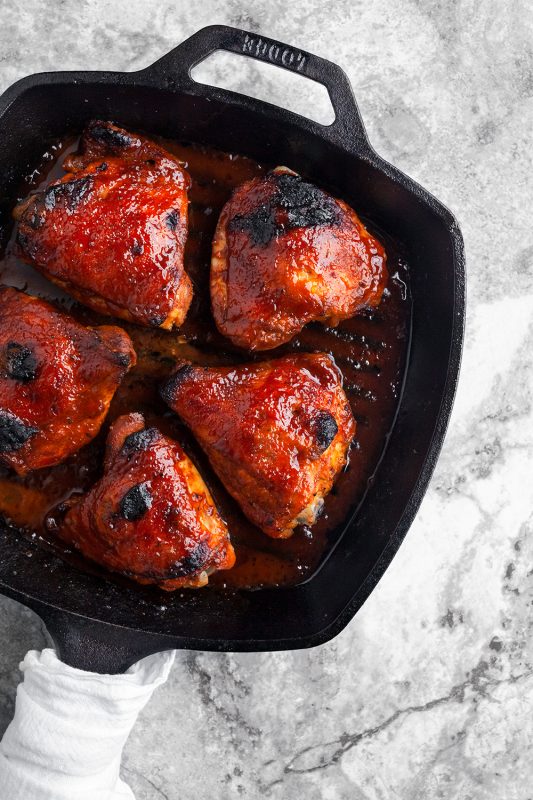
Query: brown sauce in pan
(370,349)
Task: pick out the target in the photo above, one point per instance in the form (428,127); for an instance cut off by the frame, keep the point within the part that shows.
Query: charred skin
(277,433)
(112,231)
(151,516)
(57,379)
(286,253)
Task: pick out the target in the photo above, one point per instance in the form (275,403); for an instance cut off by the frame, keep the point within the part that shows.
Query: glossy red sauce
(78,247)
(259,425)
(370,349)
(265,286)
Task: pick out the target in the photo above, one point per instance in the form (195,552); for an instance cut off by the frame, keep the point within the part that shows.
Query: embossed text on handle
(267,50)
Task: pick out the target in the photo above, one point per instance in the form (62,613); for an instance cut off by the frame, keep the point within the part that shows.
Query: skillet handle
(96,646)
(175,70)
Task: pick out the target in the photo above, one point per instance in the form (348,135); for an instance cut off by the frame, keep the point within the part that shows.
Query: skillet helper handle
(70,728)
(176,66)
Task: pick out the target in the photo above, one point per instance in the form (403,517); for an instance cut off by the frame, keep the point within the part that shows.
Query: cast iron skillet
(104,626)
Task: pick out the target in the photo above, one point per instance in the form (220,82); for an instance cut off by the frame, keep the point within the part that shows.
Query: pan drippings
(370,349)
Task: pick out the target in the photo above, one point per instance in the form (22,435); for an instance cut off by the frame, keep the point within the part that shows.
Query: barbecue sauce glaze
(370,349)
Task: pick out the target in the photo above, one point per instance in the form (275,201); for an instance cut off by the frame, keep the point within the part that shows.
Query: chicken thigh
(277,433)
(57,379)
(151,516)
(286,253)
(112,231)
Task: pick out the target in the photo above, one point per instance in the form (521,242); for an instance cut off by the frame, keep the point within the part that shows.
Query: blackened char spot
(50,198)
(137,248)
(172,219)
(325,429)
(260,225)
(35,216)
(294,204)
(20,362)
(70,193)
(158,320)
(111,137)
(13,432)
(103,166)
(139,440)
(306,205)
(136,502)
(168,389)
(122,359)
(192,563)
(23,239)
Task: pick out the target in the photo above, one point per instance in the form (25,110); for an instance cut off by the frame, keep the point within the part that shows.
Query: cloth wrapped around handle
(70,727)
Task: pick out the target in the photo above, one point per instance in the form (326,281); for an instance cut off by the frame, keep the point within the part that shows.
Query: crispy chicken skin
(57,379)
(286,253)
(277,433)
(112,231)
(151,516)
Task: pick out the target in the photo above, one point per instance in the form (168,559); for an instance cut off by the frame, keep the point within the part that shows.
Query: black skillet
(103,626)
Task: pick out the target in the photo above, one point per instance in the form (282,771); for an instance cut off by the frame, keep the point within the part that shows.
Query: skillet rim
(71,629)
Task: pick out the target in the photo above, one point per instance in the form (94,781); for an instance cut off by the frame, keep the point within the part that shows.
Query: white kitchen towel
(70,726)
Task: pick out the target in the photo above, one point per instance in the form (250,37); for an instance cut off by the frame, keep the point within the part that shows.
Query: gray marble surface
(429,692)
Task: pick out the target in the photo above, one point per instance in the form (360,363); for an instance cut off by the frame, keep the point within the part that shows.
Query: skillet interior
(38,111)
(370,349)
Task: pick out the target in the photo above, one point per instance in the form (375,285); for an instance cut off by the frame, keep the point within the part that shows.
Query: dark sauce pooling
(370,350)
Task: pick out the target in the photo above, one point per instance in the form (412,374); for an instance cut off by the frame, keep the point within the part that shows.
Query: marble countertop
(428,693)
